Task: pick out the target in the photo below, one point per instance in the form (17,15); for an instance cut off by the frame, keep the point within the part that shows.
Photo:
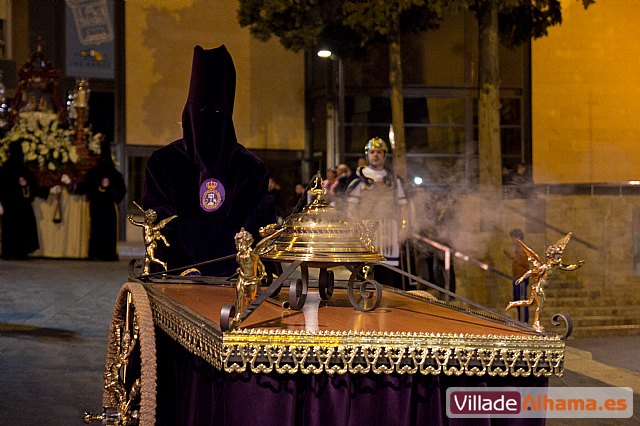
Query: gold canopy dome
(321,234)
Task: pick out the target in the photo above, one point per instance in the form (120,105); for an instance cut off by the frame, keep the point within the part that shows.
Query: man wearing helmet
(378,195)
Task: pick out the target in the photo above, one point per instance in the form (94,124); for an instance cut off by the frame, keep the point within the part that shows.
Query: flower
(44,141)
(94,143)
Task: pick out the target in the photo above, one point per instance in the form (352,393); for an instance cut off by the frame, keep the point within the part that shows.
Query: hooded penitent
(105,188)
(18,188)
(212,183)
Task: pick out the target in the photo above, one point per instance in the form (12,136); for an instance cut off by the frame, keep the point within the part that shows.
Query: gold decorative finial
(540,273)
(317,190)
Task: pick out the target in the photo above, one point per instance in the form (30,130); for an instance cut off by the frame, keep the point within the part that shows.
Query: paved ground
(54,321)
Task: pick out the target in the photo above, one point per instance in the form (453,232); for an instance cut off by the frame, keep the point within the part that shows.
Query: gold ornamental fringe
(147,341)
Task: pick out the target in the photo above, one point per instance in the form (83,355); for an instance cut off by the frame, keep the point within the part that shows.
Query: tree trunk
(397,105)
(489,151)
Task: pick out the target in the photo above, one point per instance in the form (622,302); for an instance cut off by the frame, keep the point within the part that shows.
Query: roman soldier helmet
(375,143)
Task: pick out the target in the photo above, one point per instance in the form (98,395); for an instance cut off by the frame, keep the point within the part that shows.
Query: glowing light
(324,53)
(634,182)
(417,180)
(392,137)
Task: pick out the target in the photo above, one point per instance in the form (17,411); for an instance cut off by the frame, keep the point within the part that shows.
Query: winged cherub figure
(250,270)
(540,273)
(152,234)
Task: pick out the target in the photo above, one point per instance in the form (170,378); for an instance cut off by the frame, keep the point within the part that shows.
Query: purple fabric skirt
(192,392)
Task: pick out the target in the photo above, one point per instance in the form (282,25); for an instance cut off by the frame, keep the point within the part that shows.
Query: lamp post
(335,111)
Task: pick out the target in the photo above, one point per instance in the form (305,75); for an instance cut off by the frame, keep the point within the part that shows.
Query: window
(440,104)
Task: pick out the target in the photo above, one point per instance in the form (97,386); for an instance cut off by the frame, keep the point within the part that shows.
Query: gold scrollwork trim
(333,352)
(454,361)
(191,334)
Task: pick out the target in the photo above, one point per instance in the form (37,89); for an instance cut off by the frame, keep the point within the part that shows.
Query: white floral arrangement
(45,142)
(94,141)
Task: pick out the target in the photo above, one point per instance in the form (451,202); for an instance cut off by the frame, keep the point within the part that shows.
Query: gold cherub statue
(251,270)
(151,233)
(540,274)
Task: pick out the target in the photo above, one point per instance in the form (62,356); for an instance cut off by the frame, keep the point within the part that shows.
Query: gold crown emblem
(211,185)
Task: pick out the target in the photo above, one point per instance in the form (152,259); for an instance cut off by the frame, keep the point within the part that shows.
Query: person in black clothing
(519,267)
(18,188)
(278,198)
(213,184)
(344,179)
(105,188)
(520,181)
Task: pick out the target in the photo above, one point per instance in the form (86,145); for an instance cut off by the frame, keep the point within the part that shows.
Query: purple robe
(212,183)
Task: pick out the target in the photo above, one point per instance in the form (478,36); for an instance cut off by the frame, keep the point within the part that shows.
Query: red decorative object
(38,87)
(38,91)
(76,171)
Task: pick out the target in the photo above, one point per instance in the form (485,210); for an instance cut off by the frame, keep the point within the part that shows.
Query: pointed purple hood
(211,182)
(208,135)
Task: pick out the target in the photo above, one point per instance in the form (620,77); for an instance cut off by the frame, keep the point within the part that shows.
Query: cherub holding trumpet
(151,233)
(540,273)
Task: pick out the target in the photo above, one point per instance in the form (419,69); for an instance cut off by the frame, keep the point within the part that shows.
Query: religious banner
(90,35)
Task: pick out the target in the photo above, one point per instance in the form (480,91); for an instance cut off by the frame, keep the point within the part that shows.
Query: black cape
(19,229)
(177,174)
(103,205)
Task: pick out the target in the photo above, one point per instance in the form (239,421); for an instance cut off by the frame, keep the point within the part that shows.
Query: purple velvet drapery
(192,392)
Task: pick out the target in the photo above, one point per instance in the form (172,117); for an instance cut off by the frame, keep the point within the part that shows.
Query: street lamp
(335,112)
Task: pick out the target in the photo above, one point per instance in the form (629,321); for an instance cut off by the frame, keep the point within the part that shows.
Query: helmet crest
(375,143)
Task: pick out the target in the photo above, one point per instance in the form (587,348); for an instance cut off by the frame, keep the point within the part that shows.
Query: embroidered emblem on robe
(211,195)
